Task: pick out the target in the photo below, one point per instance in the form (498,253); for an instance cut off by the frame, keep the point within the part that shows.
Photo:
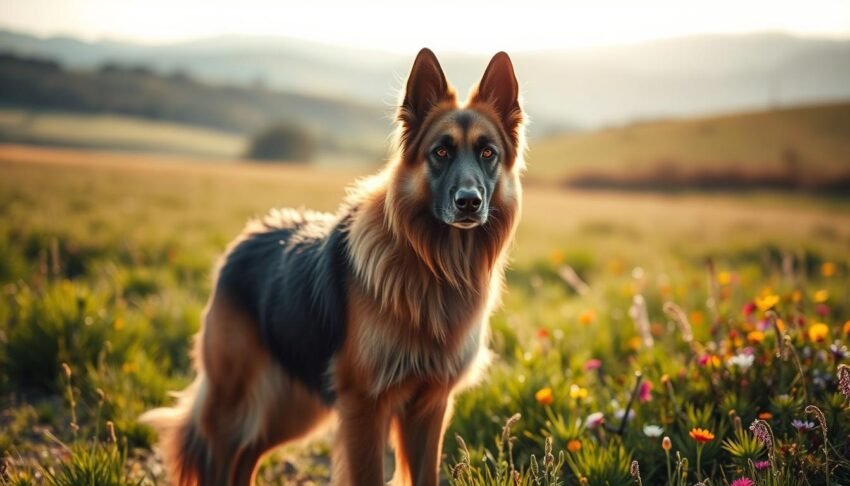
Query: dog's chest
(394,357)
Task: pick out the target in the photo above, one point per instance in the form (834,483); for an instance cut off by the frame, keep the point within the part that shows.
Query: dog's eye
(487,153)
(441,152)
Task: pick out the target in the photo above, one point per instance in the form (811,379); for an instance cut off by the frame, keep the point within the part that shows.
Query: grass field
(101,131)
(814,141)
(105,262)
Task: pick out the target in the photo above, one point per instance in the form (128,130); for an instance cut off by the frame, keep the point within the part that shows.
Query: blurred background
(686,155)
(662,96)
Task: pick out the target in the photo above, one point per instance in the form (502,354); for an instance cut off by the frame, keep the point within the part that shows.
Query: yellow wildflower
(818,332)
(578,392)
(724,278)
(767,302)
(821,296)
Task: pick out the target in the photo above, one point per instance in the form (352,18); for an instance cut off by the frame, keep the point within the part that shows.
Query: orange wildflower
(701,435)
(574,445)
(587,317)
(755,337)
(544,396)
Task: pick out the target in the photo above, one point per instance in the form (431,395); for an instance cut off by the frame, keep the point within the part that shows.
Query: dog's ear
(499,89)
(426,87)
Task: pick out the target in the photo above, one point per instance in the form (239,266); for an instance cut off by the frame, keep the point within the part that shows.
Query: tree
(283,142)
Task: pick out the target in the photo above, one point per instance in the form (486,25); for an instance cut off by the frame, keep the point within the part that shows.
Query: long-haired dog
(375,314)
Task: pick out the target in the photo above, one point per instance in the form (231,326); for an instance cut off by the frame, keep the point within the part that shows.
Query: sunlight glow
(475,26)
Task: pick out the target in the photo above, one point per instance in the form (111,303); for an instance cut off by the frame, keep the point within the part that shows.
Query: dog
(375,315)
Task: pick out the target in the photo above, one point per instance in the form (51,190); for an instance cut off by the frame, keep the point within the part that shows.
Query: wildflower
(592,364)
(822,310)
(634,343)
(827,269)
(587,317)
(742,360)
(818,332)
(652,430)
(542,333)
(697,317)
(594,420)
(724,278)
(748,309)
(620,414)
(544,396)
(634,470)
(578,392)
(755,337)
(767,302)
(709,361)
(765,416)
(574,445)
(839,351)
(645,391)
(666,444)
(760,429)
(761,465)
(701,435)
(742,482)
(556,257)
(802,425)
(844,380)
(67,370)
(821,296)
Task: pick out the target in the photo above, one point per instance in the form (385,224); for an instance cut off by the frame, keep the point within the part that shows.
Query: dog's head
(461,161)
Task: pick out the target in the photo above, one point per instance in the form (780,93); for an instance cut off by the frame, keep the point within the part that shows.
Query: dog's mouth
(466,223)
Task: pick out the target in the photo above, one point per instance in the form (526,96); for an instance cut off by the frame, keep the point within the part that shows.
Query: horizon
(158,23)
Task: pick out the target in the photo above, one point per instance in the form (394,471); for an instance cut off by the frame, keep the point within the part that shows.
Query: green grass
(118,132)
(814,140)
(105,263)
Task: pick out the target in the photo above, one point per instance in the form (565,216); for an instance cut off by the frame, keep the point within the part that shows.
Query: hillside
(809,145)
(40,85)
(587,88)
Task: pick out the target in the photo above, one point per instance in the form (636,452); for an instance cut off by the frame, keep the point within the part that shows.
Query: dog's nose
(468,199)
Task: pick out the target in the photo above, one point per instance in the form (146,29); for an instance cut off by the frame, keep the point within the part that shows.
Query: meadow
(700,337)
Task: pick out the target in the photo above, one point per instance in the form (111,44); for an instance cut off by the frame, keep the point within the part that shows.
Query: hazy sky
(450,25)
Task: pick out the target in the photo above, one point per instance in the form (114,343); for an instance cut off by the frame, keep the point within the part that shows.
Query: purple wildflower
(802,425)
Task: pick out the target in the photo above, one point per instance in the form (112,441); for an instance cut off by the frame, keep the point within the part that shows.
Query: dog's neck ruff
(418,269)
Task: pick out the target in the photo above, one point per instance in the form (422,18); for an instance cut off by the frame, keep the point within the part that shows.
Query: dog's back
(288,274)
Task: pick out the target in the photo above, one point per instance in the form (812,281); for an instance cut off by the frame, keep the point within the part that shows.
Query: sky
(472,26)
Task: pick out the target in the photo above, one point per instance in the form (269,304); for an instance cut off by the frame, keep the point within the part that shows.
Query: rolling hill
(584,88)
(793,147)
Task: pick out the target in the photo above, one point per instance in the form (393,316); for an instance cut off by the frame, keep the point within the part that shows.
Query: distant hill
(803,147)
(582,88)
(35,84)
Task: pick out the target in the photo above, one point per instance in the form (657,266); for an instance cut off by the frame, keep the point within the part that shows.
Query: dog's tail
(186,453)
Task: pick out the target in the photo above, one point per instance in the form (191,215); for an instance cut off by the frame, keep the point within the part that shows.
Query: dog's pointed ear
(426,87)
(499,89)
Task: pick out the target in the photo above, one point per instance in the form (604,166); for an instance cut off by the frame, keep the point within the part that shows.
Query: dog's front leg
(421,426)
(364,423)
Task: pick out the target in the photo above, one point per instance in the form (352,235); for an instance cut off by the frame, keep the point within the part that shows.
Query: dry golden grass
(816,139)
(223,195)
